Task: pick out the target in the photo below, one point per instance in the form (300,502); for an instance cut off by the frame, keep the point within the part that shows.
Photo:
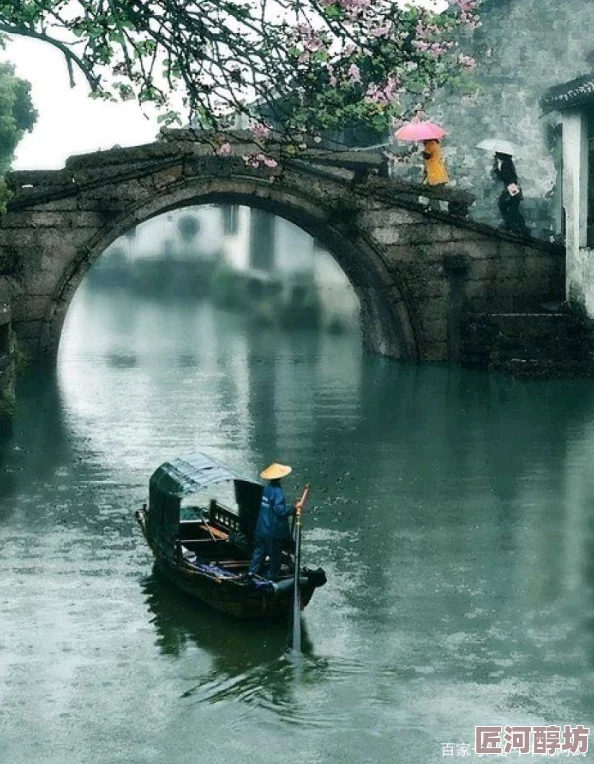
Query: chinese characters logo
(544,740)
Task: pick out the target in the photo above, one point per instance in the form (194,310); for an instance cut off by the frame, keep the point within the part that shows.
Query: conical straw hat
(275,472)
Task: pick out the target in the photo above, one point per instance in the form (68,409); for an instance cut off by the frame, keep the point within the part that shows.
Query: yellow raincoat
(435,170)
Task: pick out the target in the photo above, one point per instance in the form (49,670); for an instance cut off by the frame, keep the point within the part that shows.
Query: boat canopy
(174,480)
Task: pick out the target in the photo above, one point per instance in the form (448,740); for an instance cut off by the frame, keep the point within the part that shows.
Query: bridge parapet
(189,153)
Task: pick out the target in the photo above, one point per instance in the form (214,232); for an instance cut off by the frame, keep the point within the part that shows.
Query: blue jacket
(273,520)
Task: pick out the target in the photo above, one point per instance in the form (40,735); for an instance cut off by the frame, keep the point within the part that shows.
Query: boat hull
(237,598)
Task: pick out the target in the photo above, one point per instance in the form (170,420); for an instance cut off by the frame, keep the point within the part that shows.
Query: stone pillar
(575,202)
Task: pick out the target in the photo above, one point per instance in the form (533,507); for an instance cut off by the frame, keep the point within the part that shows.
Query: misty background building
(244,258)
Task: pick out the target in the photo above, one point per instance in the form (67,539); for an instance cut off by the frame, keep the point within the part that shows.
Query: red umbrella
(419,131)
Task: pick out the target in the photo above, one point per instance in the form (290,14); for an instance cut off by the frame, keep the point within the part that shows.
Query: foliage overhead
(301,66)
(17,114)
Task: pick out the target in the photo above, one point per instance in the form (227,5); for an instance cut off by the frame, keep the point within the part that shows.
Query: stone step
(530,344)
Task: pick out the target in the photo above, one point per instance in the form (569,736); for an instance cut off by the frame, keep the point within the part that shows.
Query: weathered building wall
(522,48)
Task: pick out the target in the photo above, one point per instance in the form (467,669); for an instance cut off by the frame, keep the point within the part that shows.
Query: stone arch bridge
(417,271)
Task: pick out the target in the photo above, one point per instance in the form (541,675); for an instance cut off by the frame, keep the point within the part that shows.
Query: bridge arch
(386,323)
(416,271)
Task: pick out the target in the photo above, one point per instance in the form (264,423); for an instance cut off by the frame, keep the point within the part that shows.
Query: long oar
(296,631)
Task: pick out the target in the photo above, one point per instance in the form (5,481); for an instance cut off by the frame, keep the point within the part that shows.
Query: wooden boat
(205,549)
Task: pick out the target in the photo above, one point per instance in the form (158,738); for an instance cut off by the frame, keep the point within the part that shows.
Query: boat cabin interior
(213,537)
(216,538)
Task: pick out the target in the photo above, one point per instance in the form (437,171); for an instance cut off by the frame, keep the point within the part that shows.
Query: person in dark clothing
(511,196)
(272,533)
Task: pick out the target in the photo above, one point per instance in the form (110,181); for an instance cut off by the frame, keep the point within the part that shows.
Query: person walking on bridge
(511,196)
(435,169)
(436,174)
(272,533)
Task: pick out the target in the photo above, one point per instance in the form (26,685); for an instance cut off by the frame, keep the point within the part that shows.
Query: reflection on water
(451,510)
(178,620)
(248,663)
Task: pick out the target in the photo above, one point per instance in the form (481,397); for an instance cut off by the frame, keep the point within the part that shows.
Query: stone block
(426,232)
(130,191)
(167,177)
(429,288)
(59,220)
(438,250)
(401,253)
(434,310)
(418,271)
(433,252)
(486,269)
(459,233)
(66,204)
(22,239)
(480,288)
(436,351)
(388,235)
(388,218)
(109,208)
(44,219)
(509,267)
(28,330)
(536,266)
(30,308)
(8,260)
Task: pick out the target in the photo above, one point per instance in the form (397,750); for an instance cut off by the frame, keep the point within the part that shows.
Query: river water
(451,509)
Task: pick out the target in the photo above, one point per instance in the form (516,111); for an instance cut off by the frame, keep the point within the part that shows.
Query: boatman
(272,529)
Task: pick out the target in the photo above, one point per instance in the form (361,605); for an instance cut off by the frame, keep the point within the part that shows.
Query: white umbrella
(496,145)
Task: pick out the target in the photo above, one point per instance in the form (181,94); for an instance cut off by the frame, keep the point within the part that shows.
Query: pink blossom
(309,38)
(313,44)
(270,162)
(251,160)
(354,73)
(421,45)
(354,5)
(467,62)
(386,95)
(426,30)
(225,149)
(260,132)
(382,31)
(465,5)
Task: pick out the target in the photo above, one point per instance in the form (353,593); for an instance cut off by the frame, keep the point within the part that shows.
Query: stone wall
(522,48)
(541,344)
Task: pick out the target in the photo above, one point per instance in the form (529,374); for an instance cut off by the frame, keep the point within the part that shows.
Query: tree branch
(72,60)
